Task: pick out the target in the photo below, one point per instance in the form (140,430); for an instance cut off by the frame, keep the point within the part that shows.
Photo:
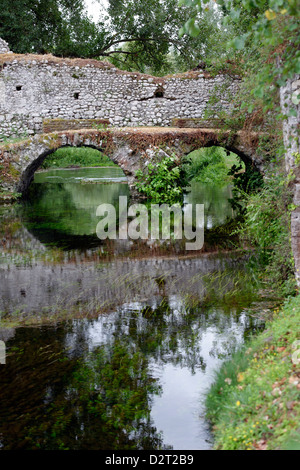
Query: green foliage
(254,402)
(267,29)
(134,34)
(162,181)
(245,182)
(209,166)
(8,196)
(82,157)
(231,286)
(58,26)
(147,35)
(115,386)
(266,226)
(101,401)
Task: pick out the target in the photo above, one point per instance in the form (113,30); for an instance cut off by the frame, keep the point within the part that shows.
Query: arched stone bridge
(59,102)
(130,148)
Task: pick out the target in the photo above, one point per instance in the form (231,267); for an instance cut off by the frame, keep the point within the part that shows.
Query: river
(112,344)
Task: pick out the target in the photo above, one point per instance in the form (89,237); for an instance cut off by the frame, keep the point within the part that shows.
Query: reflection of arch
(64,214)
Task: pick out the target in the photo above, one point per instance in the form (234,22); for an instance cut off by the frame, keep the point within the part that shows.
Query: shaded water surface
(110,346)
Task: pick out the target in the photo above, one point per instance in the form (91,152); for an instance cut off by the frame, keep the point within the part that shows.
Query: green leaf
(296,98)
(194,31)
(292,112)
(235,14)
(259,92)
(297,67)
(182,31)
(192,28)
(238,43)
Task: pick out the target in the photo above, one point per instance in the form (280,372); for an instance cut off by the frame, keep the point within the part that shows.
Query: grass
(79,156)
(254,402)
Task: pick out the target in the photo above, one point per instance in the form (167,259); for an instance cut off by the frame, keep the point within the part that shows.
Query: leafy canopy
(162,180)
(271,25)
(134,34)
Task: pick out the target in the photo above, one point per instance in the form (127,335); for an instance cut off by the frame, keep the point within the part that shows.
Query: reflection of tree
(64,214)
(49,401)
(35,375)
(217,208)
(113,388)
(171,332)
(55,395)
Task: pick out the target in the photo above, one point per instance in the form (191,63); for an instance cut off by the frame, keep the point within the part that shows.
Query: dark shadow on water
(60,210)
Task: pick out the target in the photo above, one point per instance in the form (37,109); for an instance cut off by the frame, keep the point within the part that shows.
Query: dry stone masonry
(4,47)
(290,105)
(35,90)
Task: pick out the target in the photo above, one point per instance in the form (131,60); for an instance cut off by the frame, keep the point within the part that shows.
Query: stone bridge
(45,96)
(130,148)
(55,102)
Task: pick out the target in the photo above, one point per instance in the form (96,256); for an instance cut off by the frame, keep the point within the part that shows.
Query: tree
(146,31)
(57,26)
(134,35)
(270,25)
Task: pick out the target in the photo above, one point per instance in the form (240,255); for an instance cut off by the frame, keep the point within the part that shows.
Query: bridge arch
(129,148)
(27,175)
(229,148)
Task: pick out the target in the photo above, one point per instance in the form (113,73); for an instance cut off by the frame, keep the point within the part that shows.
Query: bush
(162,181)
(266,227)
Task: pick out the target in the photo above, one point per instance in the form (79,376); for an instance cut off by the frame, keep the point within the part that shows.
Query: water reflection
(133,379)
(81,175)
(217,208)
(132,337)
(41,292)
(61,209)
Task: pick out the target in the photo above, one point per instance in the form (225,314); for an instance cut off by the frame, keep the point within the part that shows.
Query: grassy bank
(78,156)
(254,402)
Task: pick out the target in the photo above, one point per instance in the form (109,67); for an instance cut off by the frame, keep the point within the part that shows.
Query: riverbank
(254,402)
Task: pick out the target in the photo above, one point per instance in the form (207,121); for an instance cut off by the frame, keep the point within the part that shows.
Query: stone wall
(290,105)
(37,88)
